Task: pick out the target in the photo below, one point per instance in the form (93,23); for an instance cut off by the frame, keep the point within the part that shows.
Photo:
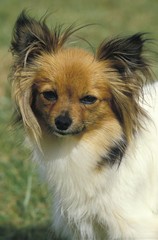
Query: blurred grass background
(24,202)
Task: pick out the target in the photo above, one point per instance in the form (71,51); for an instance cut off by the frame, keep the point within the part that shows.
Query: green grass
(24,201)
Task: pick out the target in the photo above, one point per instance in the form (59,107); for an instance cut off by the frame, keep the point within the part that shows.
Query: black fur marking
(115,154)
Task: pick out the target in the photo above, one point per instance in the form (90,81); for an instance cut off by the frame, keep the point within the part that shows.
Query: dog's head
(69,91)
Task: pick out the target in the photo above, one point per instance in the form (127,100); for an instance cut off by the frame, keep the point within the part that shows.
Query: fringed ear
(125,54)
(30,38)
(129,71)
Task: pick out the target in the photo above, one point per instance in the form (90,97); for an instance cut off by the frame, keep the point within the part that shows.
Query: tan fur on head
(118,68)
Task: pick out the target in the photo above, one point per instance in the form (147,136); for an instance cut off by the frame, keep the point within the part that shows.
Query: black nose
(63,121)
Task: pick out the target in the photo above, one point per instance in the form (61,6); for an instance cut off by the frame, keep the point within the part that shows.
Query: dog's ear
(30,38)
(124,53)
(128,71)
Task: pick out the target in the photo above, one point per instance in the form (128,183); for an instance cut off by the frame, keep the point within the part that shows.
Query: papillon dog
(92,122)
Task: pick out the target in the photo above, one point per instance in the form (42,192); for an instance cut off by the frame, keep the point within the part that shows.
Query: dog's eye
(88,99)
(50,95)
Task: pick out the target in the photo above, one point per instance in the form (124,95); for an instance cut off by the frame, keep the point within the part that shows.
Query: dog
(92,123)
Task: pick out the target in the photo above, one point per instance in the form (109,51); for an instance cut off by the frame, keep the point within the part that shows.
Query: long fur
(92,124)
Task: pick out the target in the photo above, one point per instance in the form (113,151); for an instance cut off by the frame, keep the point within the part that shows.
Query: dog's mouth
(64,133)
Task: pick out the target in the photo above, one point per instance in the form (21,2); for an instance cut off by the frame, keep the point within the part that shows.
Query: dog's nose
(63,121)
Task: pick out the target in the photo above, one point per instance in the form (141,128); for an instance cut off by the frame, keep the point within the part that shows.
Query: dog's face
(68,91)
(71,92)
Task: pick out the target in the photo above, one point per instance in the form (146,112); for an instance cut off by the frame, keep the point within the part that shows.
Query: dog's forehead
(71,64)
(81,69)
(70,57)
(74,62)
(71,70)
(74,54)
